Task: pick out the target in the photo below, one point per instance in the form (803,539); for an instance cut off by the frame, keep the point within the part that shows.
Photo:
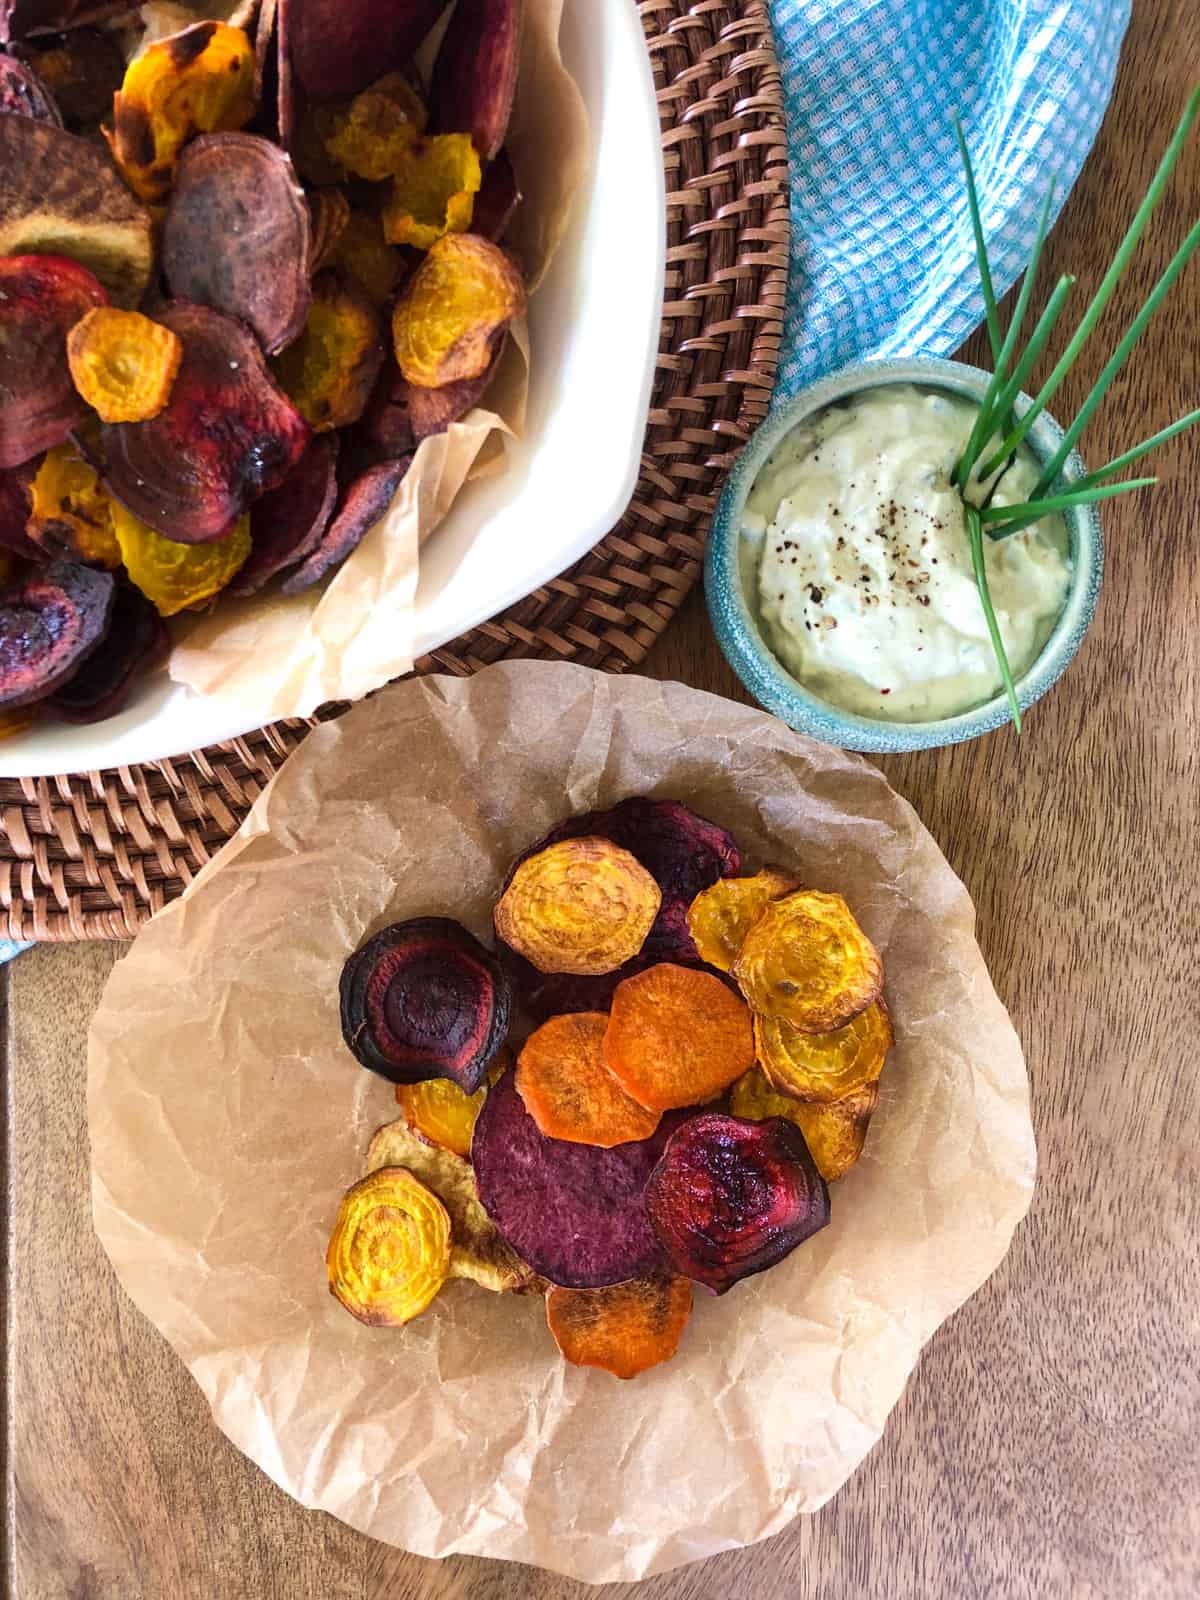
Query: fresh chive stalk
(1028,511)
(981,251)
(975,534)
(1119,463)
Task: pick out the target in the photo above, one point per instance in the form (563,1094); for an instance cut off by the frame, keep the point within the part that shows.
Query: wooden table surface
(1049,1442)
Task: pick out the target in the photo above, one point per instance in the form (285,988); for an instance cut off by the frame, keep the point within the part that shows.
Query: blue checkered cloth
(882,256)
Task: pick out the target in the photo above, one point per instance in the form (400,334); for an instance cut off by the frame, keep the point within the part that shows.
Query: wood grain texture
(1049,1443)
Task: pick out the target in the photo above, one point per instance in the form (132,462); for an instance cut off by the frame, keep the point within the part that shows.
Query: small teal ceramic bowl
(729,581)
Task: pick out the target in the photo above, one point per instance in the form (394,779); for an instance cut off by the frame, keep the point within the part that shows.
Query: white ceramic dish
(594,330)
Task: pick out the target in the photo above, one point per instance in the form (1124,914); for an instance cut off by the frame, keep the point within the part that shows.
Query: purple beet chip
(574,1212)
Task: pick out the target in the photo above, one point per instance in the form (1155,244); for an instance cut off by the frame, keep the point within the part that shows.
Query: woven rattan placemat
(92,856)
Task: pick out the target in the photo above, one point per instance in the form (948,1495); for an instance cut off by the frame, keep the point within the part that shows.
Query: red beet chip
(24,94)
(337,47)
(136,642)
(226,435)
(432,411)
(286,524)
(15,509)
(41,298)
(366,499)
(424,999)
(386,427)
(497,200)
(49,625)
(730,1198)
(574,1212)
(238,235)
(475,74)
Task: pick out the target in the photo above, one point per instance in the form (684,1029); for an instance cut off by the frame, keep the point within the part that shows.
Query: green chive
(1046,324)
(981,252)
(1012,518)
(1119,463)
(1104,293)
(975,531)
(983,421)
(1118,359)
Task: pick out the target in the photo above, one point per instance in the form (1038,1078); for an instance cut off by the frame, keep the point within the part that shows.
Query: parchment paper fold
(226,1118)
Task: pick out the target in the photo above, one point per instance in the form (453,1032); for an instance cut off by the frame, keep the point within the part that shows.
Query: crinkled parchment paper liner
(272,656)
(227,1117)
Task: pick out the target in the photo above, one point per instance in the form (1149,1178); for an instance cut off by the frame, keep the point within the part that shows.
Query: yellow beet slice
(834,1133)
(389,1252)
(806,962)
(581,905)
(71,510)
(453,309)
(123,364)
(175,576)
(719,918)
(824,1067)
(433,191)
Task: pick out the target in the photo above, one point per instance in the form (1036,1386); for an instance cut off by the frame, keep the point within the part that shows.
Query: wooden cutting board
(1049,1443)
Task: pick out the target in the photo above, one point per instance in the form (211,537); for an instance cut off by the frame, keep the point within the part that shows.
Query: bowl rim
(737,629)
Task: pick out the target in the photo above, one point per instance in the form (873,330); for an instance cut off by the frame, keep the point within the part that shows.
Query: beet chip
(287,523)
(364,503)
(238,235)
(226,435)
(731,1198)
(574,1212)
(424,999)
(337,48)
(137,641)
(475,75)
(49,625)
(624,1329)
(40,298)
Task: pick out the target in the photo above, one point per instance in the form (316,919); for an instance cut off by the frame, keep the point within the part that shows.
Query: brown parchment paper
(274,656)
(227,1117)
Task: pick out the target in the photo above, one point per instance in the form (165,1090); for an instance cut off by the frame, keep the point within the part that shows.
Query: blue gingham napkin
(882,257)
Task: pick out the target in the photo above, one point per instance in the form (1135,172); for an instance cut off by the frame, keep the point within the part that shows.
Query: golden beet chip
(123,364)
(807,962)
(441,1113)
(458,302)
(433,190)
(582,905)
(71,512)
(373,133)
(624,1329)
(677,1036)
(363,251)
(329,371)
(198,81)
(834,1133)
(330,213)
(568,1090)
(176,576)
(720,918)
(389,1252)
(477,1251)
(824,1067)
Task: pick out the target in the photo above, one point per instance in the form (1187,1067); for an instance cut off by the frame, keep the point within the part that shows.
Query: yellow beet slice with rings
(581,905)
(389,1252)
(453,309)
(719,918)
(824,1067)
(806,962)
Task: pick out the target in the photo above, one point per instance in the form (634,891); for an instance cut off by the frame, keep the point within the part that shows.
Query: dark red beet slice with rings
(497,200)
(49,625)
(41,297)
(424,999)
(238,235)
(287,523)
(475,74)
(227,434)
(337,48)
(23,93)
(15,508)
(366,499)
(574,1212)
(136,642)
(730,1198)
